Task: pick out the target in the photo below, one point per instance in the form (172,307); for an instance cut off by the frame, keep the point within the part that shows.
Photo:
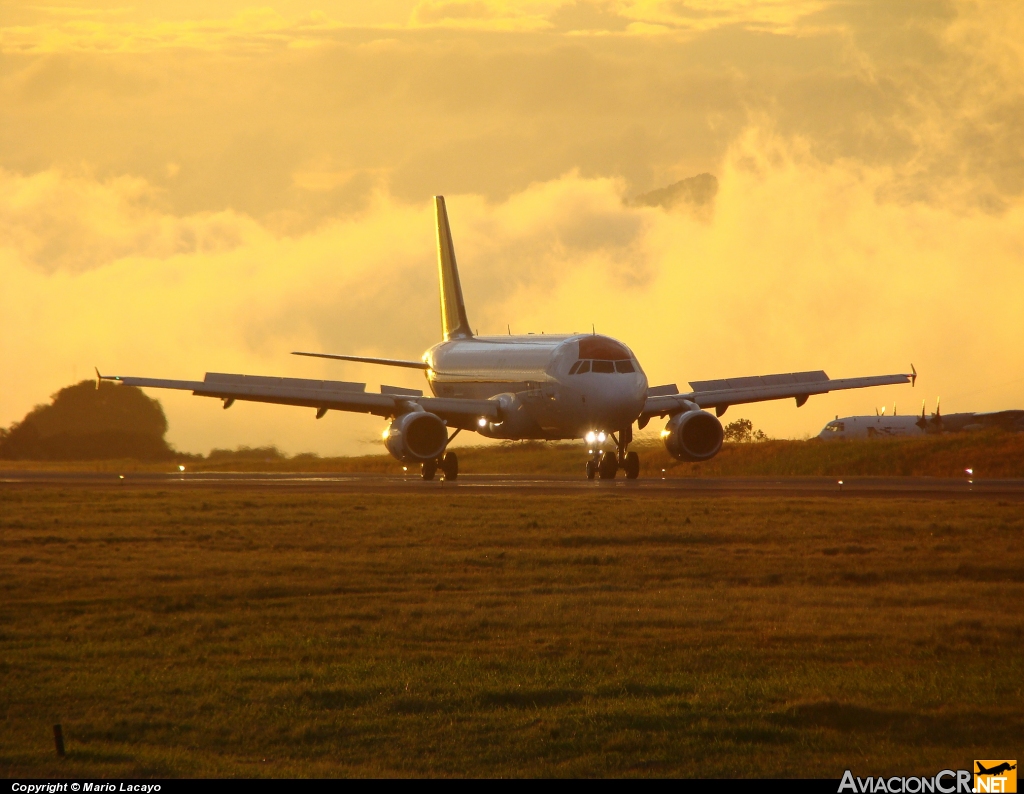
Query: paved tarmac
(886,487)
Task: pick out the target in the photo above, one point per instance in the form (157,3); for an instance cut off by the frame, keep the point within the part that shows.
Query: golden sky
(190,187)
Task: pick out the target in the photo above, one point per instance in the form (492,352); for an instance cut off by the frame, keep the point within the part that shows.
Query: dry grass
(251,633)
(990,454)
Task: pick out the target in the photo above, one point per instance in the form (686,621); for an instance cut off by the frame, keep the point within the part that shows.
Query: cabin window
(624,366)
(575,367)
(603,366)
(584,367)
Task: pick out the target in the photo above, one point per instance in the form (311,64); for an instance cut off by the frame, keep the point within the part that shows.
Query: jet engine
(416,437)
(693,436)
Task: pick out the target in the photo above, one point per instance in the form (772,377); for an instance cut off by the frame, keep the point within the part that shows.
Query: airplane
(549,387)
(882,426)
(996,770)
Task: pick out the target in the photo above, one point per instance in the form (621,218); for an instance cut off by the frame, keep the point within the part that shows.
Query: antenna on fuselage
(593,329)
(454,324)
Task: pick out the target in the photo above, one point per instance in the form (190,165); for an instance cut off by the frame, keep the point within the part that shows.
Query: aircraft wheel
(591,469)
(631,464)
(450,466)
(429,469)
(608,466)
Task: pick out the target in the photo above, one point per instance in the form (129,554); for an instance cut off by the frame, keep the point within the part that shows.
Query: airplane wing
(720,394)
(324,395)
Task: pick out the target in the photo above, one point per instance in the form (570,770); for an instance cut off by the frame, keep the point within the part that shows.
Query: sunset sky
(189,187)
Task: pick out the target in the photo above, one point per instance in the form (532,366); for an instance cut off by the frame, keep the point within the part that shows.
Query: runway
(873,487)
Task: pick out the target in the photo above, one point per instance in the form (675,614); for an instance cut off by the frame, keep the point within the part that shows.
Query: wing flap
(400,391)
(258,381)
(759,381)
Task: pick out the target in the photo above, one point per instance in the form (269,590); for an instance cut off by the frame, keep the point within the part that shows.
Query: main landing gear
(447,463)
(606,463)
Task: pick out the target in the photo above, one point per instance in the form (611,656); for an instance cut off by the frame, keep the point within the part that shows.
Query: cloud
(931,92)
(227,25)
(800,266)
(53,222)
(494,15)
(119,31)
(186,188)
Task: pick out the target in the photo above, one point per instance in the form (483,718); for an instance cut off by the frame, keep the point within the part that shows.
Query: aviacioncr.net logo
(947,781)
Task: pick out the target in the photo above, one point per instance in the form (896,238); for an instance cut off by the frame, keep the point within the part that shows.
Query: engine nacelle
(693,436)
(516,420)
(416,437)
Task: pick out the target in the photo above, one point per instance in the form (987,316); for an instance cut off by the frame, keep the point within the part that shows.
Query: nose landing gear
(608,466)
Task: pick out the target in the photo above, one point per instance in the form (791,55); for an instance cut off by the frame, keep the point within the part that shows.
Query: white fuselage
(872,427)
(540,382)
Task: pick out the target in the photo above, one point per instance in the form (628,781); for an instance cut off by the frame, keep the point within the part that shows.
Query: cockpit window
(603,348)
(601,366)
(836,427)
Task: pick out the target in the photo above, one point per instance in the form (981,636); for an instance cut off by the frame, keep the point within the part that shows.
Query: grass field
(255,633)
(990,455)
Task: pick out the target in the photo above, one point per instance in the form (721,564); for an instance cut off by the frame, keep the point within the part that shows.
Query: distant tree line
(258,454)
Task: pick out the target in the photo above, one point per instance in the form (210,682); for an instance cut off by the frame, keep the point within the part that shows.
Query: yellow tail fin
(454,324)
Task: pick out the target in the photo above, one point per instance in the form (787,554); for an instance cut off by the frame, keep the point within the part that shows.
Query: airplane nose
(623,399)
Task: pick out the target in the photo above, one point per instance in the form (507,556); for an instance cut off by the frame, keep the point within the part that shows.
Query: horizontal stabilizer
(387,362)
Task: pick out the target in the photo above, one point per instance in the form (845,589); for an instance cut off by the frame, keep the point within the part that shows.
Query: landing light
(591,437)
(601,437)
(481,422)
(181,468)
(384,435)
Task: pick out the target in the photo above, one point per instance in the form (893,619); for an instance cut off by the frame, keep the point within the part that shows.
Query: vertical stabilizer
(454,324)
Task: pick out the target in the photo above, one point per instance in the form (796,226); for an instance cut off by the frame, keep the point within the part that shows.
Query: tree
(742,432)
(86,423)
